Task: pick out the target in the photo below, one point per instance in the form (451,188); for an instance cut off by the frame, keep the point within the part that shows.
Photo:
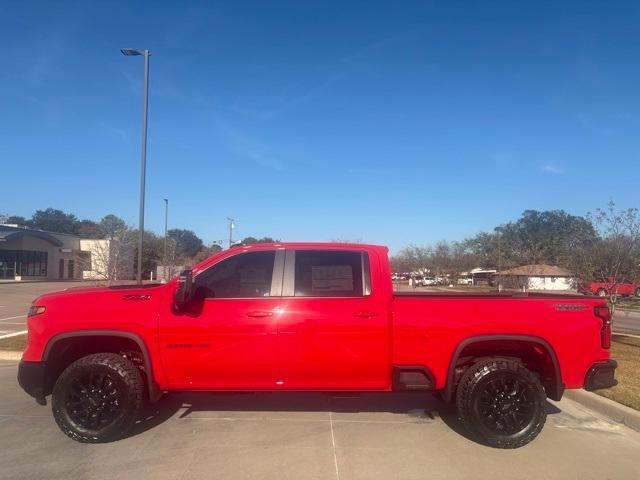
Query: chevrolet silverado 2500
(310,316)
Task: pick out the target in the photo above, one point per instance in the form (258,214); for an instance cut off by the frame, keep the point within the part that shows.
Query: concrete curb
(615,411)
(10,355)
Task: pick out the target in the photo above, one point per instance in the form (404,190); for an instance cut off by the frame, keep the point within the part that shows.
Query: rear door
(333,331)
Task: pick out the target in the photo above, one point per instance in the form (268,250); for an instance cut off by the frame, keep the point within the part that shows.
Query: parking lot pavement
(15,299)
(307,436)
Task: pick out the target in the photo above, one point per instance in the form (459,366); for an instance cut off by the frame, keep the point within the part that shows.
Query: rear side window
(324,273)
(246,275)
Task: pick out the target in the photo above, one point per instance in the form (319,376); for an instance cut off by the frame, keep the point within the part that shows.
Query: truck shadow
(411,406)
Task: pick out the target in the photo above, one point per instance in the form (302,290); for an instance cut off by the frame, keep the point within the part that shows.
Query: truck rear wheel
(97,398)
(501,402)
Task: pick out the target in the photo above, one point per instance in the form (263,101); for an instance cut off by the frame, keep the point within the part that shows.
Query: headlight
(36,310)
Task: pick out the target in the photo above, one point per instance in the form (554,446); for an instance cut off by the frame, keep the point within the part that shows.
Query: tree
(615,252)
(90,229)
(253,240)
(205,253)
(188,244)
(112,226)
(54,220)
(112,255)
(412,258)
(536,237)
(16,220)
(444,258)
(109,259)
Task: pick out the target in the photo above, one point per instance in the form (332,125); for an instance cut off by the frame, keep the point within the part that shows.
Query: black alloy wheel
(506,405)
(98,398)
(93,400)
(501,402)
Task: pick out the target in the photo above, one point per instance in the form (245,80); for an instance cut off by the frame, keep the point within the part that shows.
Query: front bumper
(601,375)
(31,377)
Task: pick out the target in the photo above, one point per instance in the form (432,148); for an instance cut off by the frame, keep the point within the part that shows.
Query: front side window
(246,275)
(323,273)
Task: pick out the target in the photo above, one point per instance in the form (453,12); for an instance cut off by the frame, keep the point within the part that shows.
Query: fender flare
(153,389)
(554,393)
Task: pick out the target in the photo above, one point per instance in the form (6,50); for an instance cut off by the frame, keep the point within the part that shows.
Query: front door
(333,332)
(227,339)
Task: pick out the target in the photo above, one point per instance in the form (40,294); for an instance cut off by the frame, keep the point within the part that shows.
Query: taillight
(604,314)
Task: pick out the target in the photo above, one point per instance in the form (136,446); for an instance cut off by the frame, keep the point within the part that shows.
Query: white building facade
(31,254)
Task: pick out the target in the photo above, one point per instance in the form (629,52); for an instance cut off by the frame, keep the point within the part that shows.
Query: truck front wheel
(97,398)
(501,402)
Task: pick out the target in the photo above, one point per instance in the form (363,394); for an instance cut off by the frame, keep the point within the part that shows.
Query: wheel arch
(153,391)
(553,388)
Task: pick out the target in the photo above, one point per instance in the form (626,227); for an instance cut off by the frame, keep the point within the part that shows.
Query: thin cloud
(52,46)
(248,147)
(332,73)
(552,169)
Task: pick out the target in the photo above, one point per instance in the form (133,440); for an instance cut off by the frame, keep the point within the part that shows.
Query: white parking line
(14,334)
(12,318)
(333,442)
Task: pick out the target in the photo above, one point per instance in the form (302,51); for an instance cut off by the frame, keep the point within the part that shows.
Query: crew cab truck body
(310,316)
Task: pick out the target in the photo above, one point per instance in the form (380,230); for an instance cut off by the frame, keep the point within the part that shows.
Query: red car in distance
(610,286)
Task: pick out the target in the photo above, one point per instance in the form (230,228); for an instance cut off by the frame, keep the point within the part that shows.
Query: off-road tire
(123,376)
(638,292)
(468,401)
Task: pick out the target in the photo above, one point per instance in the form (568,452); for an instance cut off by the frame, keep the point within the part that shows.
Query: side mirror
(184,292)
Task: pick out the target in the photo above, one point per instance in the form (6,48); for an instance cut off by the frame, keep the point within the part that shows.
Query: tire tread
(464,398)
(122,367)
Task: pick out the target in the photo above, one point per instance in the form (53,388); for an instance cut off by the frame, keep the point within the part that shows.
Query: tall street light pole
(143,160)
(231,227)
(166,216)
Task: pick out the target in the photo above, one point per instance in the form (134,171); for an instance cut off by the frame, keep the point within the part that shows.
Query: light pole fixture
(130,52)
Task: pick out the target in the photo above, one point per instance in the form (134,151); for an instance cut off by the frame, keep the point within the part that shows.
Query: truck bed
(430,326)
(511,294)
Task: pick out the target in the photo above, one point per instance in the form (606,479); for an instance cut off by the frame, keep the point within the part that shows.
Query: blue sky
(390,122)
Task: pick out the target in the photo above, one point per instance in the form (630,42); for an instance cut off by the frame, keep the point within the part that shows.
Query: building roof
(540,270)
(483,270)
(10,233)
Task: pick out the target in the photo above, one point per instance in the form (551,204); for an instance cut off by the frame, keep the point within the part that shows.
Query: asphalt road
(15,299)
(307,436)
(626,321)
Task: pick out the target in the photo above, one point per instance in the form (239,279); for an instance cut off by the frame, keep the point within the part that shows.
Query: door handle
(365,314)
(259,313)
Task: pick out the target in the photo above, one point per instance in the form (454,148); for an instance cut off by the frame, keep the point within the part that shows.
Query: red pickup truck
(310,316)
(610,286)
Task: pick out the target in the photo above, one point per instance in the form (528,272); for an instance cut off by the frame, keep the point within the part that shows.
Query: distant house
(482,276)
(537,277)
